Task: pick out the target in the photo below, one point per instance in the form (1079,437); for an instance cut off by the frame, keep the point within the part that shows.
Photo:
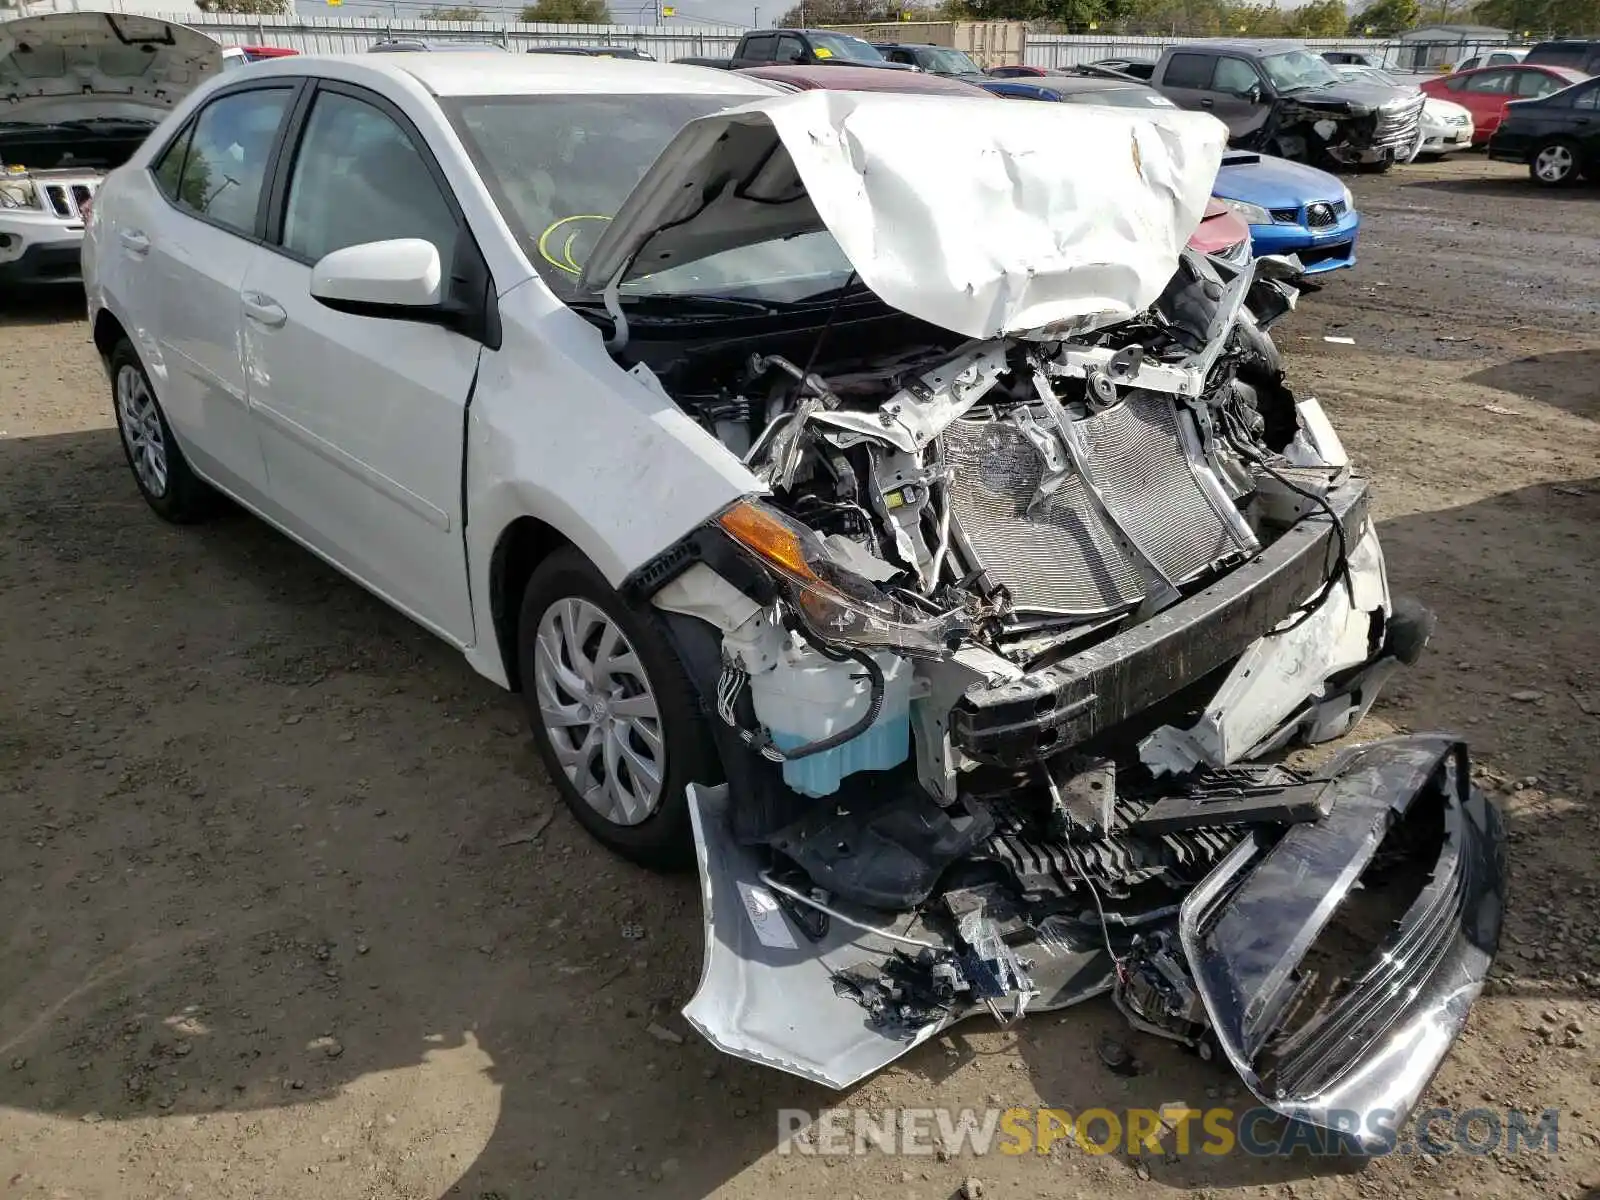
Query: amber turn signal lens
(756,529)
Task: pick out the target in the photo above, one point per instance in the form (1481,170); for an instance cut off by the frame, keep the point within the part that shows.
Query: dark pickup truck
(810,47)
(1279,98)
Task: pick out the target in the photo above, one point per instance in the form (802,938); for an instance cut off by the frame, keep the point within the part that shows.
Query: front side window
(791,49)
(1189,71)
(559,167)
(358,178)
(1234,75)
(225,166)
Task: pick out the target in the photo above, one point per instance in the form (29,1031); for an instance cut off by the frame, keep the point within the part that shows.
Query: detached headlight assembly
(836,604)
(1250,214)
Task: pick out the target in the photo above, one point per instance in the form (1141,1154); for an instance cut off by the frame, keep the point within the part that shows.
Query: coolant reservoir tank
(808,697)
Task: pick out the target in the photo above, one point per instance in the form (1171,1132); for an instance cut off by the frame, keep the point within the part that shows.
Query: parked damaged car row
(883,512)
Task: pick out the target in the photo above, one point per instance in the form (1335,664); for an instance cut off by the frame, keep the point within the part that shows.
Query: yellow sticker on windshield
(823,52)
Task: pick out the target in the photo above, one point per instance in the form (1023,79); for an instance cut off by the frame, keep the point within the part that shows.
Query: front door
(361,418)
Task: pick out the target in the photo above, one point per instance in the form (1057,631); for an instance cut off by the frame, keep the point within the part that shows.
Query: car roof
(861,79)
(495,73)
(1572,73)
(1243,45)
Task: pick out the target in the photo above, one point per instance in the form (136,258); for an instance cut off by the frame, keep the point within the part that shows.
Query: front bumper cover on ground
(769,992)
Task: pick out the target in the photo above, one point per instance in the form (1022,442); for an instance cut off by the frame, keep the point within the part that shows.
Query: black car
(936,60)
(595,51)
(1558,135)
(1580,53)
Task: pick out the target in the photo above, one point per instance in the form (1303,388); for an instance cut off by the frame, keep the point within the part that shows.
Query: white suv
(85,89)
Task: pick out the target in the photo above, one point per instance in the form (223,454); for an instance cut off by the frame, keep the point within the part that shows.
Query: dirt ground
(265,935)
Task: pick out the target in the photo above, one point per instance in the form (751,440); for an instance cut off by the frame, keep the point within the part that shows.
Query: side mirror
(376,278)
(1253,93)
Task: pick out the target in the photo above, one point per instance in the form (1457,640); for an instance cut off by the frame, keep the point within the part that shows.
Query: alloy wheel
(1554,164)
(141,430)
(599,711)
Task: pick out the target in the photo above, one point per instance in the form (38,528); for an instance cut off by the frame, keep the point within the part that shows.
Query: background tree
(1541,16)
(573,12)
(253,8)
(453,14)
(1316,19)
(1386,18)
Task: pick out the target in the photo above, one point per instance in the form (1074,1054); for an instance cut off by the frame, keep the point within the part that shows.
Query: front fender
(559,432)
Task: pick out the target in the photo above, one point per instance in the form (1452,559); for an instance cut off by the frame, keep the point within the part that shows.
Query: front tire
(614,716)
(1554,164)
(159,468)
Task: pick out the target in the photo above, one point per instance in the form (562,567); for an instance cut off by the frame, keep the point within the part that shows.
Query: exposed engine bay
(999,671)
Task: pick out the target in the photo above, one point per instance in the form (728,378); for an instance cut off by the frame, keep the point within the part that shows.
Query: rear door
(362,418)
(189,250)
(1485,94)
(1187,79)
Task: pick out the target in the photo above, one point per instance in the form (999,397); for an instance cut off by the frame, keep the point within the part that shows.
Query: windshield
(1128,97)
(1297,69)
(559,167)
(842,45)
(943,61)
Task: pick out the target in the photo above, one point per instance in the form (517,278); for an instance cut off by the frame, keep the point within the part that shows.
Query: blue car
(1291,208)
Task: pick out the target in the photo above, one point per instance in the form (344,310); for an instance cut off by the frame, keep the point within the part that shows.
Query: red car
(1485,91)
(1220,231)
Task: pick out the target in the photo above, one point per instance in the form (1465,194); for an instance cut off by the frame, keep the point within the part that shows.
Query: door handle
(1207,103)
(134,242)
(264,310)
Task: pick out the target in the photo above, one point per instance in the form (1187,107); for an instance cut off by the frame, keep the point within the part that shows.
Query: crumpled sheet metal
(987,220)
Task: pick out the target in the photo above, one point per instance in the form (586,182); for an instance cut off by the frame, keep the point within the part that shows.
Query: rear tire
(1555,164)
(614,716)
(160,471)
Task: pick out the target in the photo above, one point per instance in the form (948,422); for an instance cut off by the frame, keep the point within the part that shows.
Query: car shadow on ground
(1564,378)
(275,843)
(55,304)
(1517,188)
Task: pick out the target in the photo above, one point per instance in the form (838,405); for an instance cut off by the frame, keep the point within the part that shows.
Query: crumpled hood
(1275,182)
(1059,217)
(75,66)
(1355,96)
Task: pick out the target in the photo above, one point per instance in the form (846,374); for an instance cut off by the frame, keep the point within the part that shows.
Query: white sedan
(874,500)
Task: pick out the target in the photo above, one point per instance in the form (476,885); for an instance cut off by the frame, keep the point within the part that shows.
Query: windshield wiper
(690,306)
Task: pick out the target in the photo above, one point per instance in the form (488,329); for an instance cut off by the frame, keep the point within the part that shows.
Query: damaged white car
(81,91)
(875,502)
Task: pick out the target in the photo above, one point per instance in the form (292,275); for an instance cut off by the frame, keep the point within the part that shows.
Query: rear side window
(358,178)
(225,163)
(168,169)
(759,47)
(1536,83)
(1189,71)
(1494,83)
(1559,54)
(1589,101)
